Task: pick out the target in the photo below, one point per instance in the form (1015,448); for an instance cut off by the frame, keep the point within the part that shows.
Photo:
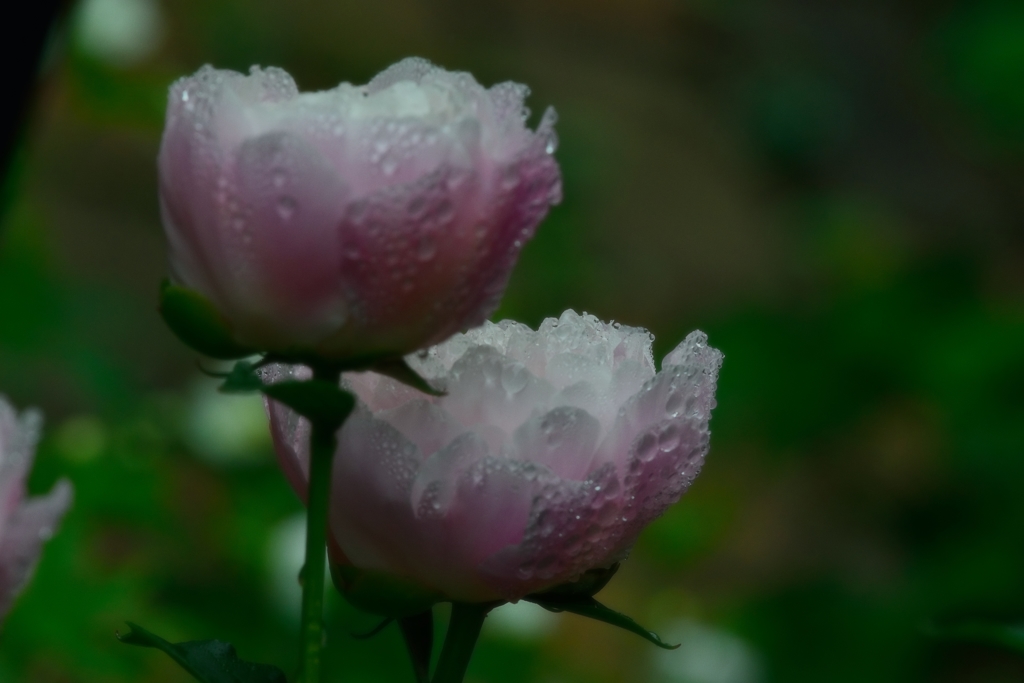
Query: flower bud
(358,222)
(550,452)
(24,524)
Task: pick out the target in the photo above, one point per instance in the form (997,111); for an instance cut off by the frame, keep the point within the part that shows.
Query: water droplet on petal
(286,207)
(426,249)
(514,377)
(668,439)
(673,404)
(646,447)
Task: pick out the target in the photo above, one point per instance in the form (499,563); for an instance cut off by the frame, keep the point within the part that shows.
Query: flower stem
(463,631)
(321,457)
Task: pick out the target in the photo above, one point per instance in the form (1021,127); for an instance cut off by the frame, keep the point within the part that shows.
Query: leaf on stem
(198,323)
(592,609)
(209,661)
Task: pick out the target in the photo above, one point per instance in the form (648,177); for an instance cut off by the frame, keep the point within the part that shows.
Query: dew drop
(417,205)
(426,249)
(286,207)
(646,447)
(673,404)
(445,212)
(668,439)
(184,95)
(509,179)
(514,378)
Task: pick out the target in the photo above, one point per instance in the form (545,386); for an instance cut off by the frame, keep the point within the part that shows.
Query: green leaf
(398,369)
(242,379)
(592,609)
(1009,636)
(381,593)
(198,323)
(209,661)
(315,399)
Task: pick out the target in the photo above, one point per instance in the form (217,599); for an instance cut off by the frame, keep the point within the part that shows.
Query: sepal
(399,370)
(587,586)
(209,661)
(241,379)
(317,400)
(375,630)
(382,593)
(418,634)
(198,323)
(586,606)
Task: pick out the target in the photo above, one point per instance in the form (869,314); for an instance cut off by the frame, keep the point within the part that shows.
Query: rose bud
(550,452)
(359,222)
(24,524)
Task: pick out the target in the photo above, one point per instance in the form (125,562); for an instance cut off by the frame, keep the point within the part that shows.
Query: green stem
(463,631)
(321,457)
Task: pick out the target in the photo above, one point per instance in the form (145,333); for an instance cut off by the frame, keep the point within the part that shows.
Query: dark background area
(834,192)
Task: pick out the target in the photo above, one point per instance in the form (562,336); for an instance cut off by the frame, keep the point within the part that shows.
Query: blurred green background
(834,192)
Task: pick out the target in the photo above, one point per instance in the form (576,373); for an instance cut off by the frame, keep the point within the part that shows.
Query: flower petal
(26,530)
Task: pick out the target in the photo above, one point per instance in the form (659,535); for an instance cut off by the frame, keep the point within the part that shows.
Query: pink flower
(359,221)
(550,453)
(24,524)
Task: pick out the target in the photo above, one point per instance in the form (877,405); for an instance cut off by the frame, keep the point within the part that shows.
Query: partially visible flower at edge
(549,454)
(25,523)
(357,222)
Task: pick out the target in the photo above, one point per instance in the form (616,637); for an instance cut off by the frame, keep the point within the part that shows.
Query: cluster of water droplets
(508,443)
(439,182)
(662,432)
(577,411)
